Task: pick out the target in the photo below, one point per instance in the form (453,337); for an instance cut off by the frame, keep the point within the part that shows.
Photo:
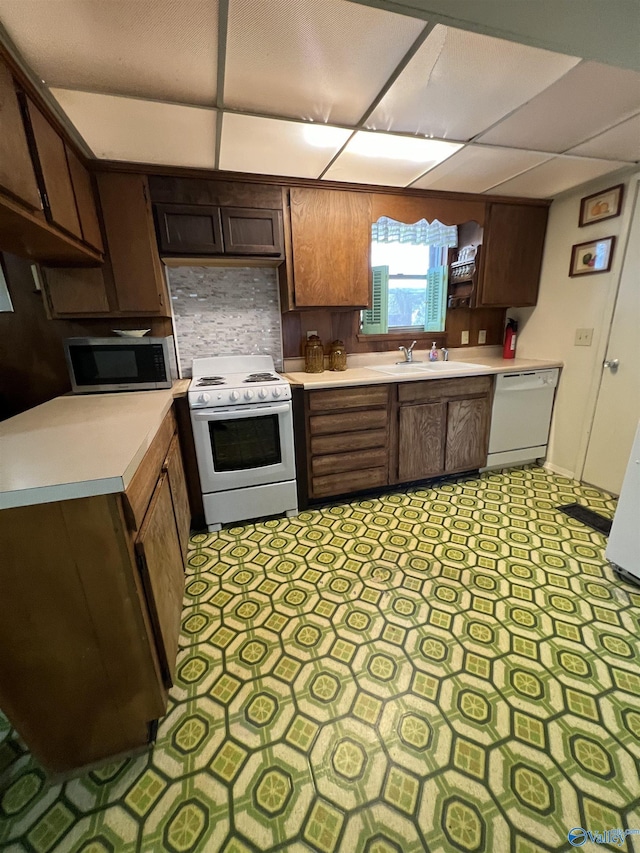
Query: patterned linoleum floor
(451,669)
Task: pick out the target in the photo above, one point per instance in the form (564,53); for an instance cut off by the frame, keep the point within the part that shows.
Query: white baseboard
(562,472)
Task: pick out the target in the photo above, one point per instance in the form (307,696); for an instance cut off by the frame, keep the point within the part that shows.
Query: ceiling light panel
(622,142)
(383,158)
(586,101)
(556,176)
(142,131)
(477,168)
(460,83)
(324,60)
(162,49)
(276,147)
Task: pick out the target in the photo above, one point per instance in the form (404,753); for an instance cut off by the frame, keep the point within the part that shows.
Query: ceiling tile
(477,168)
(620,143)
(382,158)
(160,49)
(276,147)
(586,101)
(142,131)
(324,60)
(460,83)
(555,176)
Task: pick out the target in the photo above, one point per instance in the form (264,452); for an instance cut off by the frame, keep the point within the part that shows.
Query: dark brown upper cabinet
(204,229)
(135,268)
(17,176)
(85,201)
(51,162)
(189,229)
(251,232)
(511,255)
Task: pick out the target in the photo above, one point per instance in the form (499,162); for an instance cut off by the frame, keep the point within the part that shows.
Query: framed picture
(592,257)
(599,206)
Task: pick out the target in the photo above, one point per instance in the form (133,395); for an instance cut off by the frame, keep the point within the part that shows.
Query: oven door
(244,446)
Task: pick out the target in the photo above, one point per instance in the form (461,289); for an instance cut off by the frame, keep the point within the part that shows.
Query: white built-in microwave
(120,364)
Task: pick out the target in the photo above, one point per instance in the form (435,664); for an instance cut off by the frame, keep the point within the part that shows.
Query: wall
(566,304)
(32,364)
(222,311)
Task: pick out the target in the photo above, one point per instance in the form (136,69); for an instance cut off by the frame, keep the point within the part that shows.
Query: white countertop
(77,446)
(363,375)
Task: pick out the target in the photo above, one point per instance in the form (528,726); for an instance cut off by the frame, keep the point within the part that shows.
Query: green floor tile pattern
(450,669)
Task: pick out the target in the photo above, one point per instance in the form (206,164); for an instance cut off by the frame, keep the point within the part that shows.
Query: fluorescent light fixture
(408,148)
(325,136)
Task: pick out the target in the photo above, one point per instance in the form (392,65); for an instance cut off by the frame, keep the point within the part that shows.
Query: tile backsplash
(225,311)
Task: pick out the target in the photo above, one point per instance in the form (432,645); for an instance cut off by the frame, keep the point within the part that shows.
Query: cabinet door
(421,434)
(467,434)
(76,291)
(248,231)
(512,255)
(179,497)
(60,202)
(85,201)
(189,229)
(17,175)
(137,272)
(331,237)
(158,549)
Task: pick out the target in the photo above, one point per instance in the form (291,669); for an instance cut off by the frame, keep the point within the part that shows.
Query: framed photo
(592,257)
(599,206)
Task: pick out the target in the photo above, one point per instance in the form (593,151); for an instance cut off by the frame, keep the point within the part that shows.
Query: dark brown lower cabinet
(371,436)
(347,439)
(161,565)
(443,426)
(90,613)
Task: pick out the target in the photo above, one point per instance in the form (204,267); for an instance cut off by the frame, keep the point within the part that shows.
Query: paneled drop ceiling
(327,89)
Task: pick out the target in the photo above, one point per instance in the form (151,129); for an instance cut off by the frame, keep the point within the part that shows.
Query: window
(409,264)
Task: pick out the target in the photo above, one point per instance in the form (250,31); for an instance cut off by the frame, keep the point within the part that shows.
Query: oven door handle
(237,414)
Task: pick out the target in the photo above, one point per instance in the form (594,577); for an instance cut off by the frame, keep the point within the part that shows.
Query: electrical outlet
(583,337)
(482,336)
(464,337)
(311,333)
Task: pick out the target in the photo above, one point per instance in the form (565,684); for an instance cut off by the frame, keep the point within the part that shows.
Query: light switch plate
(583,337)
(482,336)
(309,334)
(464,337)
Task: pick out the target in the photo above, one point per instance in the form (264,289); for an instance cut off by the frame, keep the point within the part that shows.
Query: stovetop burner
(261,377)
(211,380)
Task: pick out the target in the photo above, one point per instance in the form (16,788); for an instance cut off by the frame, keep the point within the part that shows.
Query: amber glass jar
(313,355)
(338,356)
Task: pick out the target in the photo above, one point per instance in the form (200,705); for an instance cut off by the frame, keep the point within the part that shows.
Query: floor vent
(587,516)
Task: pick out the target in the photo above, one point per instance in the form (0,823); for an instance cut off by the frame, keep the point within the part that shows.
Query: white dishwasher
(521,417)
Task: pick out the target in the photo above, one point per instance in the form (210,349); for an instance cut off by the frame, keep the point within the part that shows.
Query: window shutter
(437,281)
(375,320)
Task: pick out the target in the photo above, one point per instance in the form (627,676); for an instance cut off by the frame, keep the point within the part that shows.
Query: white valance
(422,233)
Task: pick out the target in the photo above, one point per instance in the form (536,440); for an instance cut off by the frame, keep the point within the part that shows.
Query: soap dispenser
(433,352)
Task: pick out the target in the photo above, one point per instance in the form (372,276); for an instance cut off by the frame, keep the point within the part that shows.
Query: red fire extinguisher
(510,335)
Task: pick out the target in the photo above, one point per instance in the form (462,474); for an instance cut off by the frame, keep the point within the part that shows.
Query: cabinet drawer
(437,389)
(139,491)
(347,422)
(336,463)
(348,398)
(346,441)
(349,481)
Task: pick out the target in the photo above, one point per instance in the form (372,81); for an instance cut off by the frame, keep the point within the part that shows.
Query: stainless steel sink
(412,367)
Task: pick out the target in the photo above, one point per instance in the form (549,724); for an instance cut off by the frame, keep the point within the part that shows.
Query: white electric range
(242,421)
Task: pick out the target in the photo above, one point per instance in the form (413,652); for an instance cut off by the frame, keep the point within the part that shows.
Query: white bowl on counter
(130,333)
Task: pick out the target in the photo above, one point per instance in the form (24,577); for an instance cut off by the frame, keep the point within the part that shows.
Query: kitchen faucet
(408,353)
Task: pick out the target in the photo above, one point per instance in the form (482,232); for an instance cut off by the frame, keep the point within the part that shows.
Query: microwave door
(112,368)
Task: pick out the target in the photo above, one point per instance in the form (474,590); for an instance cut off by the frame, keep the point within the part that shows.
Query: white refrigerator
(624,540)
